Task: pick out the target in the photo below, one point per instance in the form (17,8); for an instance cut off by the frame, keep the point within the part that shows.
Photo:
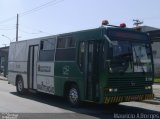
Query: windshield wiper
(138,60)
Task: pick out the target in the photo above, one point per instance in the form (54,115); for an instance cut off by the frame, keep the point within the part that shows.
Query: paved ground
(156,90)
(33,106)
(3,78)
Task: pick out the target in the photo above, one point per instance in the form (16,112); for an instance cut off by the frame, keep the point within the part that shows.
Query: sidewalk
(3,78)
(156,90)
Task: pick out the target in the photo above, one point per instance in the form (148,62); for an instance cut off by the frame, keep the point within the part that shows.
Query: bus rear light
(122,25)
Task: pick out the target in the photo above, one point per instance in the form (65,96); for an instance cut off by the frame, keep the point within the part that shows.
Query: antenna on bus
(136,23)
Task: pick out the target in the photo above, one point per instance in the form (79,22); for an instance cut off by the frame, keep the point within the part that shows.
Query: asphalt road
(43,106)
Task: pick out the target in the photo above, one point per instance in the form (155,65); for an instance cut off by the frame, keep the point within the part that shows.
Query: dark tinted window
(122,34)
(66,42)
(70,42)
(61,42)
(81,55)
(66,50)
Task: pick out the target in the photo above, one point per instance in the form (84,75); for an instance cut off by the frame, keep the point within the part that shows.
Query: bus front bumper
(118,99)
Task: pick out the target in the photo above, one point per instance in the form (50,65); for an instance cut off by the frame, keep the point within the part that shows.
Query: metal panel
(21,51)
(18,59)
(36,49)
(18,66)
(45,68)
(45,84)
(30,66)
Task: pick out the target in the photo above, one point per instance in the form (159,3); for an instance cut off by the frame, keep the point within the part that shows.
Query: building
(4,61)
(155,37)
(154,34)
(148,28)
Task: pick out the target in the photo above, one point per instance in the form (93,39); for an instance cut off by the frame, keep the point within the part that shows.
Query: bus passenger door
(32,64)
(89,66)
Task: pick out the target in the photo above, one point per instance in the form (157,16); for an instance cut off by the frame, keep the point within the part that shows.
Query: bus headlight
(148,87)
(110,89)
(113,90)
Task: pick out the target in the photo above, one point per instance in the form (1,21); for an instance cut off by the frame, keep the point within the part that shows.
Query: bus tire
(73,96)
(20,86)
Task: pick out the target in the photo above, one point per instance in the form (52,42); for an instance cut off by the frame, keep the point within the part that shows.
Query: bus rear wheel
(73,96)
(20,86)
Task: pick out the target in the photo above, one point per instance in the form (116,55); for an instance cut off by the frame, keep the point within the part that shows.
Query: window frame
(50,51)
(66,39)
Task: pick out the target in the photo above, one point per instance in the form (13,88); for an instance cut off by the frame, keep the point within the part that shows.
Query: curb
(156,83)
(3,78)
(154,101)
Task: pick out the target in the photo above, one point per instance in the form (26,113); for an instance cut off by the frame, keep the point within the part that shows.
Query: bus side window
(41,45)
(81,55)
(70,42)
(47,50)
(66,42)
(61,42)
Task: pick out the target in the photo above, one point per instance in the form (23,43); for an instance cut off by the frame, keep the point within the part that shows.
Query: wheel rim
(20,85)
(73,95)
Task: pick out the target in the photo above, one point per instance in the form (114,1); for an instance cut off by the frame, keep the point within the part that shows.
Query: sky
(39,18)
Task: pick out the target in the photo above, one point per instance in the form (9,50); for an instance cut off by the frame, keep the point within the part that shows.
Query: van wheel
(20,86)
(73,96)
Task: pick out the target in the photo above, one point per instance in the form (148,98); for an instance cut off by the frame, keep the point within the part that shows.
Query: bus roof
(87,34)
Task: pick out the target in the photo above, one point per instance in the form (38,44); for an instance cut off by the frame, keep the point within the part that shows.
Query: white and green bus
(104,65)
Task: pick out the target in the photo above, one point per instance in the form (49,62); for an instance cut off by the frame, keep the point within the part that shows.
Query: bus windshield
(128,56)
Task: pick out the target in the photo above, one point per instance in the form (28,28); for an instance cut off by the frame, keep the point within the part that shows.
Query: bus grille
(129,85)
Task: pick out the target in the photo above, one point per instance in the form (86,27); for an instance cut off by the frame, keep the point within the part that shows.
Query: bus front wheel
(73,96)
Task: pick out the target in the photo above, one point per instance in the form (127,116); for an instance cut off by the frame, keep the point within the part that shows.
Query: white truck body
(24,61)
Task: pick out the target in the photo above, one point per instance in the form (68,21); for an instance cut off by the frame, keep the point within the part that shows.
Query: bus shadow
(91,109)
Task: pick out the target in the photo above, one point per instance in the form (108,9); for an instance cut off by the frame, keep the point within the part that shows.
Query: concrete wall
(156,57)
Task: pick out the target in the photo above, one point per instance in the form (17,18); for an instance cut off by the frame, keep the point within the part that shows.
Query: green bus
(105,65)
